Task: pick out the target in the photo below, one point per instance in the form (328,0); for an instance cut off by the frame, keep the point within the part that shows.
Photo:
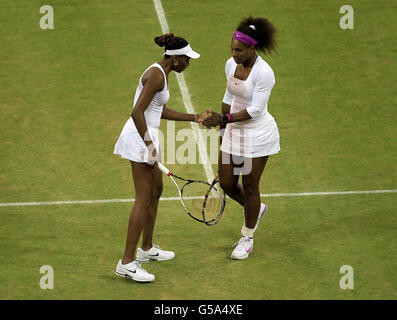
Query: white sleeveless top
(130,144)
(155,108)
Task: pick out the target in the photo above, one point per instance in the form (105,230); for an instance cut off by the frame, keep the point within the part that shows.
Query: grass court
(66,93)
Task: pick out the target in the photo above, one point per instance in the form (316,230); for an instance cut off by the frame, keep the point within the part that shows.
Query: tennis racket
(203,201)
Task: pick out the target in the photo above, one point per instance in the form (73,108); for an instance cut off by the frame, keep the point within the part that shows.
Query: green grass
(66,93)
(299,250)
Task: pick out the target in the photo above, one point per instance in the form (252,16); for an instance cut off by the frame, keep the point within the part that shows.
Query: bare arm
(225,108)
(241,116)
(153,82)
(170,114)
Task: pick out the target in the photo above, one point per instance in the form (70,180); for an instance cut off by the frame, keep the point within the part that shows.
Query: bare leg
(142,177)
(251,191)
(147,237)
(247,194)
(228,180)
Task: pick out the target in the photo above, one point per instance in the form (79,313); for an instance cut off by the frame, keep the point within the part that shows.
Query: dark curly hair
(264,33)
(170,42)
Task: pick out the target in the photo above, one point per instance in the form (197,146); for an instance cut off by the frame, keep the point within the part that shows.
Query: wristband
(230,117)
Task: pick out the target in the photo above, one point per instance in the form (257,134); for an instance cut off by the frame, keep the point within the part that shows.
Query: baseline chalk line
(264,195)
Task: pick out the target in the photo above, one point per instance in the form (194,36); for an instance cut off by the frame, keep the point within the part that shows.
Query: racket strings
(213,204)
(203,201)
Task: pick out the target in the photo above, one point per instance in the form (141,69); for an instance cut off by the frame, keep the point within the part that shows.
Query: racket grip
(164,169)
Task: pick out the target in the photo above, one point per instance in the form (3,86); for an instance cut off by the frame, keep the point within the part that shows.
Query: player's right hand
(153,156)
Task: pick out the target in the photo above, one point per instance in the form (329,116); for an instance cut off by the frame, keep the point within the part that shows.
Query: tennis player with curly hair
(250,133)
(139,143)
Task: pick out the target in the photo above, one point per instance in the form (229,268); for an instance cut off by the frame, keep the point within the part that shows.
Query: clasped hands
(209,119)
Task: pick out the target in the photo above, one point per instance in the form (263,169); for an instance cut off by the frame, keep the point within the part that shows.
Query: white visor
(187,51)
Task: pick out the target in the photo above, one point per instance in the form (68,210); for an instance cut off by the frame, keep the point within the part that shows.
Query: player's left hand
(202,116)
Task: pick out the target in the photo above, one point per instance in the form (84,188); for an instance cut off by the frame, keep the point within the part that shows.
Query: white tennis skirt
(244,140)
(131,146)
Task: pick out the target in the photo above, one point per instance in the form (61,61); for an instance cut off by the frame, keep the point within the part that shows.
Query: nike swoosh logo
(133,271)
(154,255)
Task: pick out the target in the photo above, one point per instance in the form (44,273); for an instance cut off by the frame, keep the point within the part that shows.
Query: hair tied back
(163,39)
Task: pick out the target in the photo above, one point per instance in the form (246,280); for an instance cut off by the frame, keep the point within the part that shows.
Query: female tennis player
(139,143)
(250,133)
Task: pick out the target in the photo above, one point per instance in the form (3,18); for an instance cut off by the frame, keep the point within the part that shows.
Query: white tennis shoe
(244,247)
(154,254)
(134,271)
(262,212)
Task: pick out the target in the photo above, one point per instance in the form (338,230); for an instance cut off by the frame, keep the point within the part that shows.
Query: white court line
(264,195)
(186,100)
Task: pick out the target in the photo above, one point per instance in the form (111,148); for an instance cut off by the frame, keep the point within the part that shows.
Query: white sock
(248,232)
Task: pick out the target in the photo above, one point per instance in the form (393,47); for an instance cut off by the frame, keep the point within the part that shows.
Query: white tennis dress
(258,136)
(130,144)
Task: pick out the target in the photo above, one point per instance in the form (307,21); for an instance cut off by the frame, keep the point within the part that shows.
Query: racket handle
(164,169)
